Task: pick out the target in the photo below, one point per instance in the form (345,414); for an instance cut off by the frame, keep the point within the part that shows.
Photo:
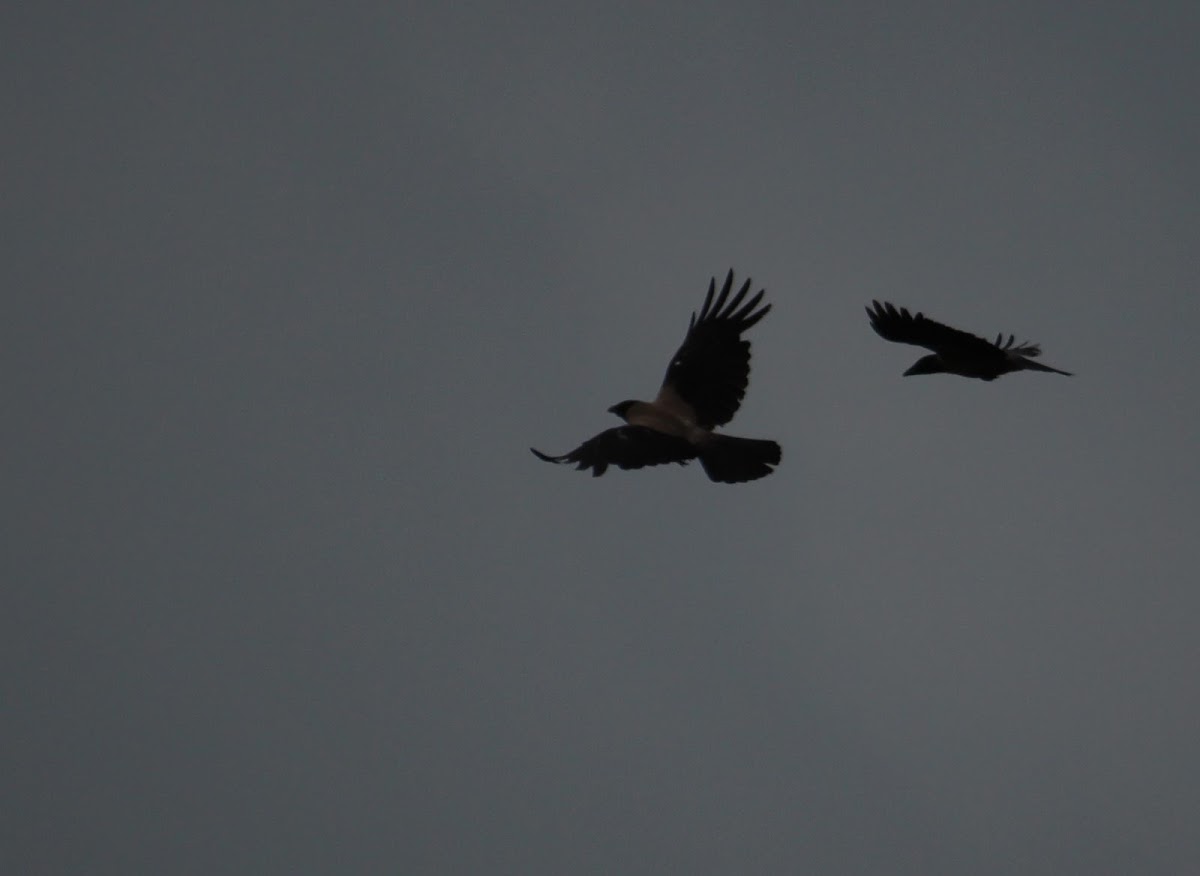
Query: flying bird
(702,389)
(954,351)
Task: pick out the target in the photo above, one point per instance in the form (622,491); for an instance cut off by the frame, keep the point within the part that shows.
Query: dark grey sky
(291,288)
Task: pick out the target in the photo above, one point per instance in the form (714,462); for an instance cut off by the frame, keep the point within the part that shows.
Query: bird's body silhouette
(702,390)
(954,351)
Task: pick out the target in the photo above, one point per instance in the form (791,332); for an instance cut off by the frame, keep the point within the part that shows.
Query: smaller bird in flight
(954,351)
(703,388)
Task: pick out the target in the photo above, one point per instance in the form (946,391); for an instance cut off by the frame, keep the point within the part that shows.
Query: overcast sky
(290,288)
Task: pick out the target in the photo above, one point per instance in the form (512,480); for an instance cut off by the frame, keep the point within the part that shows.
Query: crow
(702,389)
(954,351)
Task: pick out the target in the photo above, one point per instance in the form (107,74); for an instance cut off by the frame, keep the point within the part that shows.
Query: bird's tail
(731,460)
(1038,366)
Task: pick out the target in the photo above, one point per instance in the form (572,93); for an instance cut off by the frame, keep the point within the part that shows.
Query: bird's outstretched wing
(707,377)
(625,447)
(897,324)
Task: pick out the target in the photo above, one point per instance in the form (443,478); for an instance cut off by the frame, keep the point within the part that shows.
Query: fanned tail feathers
(731,460)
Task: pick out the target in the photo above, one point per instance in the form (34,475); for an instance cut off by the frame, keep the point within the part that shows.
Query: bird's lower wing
(625,447)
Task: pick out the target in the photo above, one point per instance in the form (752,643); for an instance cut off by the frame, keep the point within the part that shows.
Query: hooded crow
(703,387)
(954,351)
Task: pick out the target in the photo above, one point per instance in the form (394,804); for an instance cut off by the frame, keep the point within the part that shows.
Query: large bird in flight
(703,387)
(954,351)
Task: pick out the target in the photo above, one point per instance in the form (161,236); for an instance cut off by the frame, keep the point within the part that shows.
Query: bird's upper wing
(899,325)
(625,447)
(707,377)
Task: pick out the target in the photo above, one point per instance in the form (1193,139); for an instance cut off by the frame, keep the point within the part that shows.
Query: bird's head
(930,364)
(621,409)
